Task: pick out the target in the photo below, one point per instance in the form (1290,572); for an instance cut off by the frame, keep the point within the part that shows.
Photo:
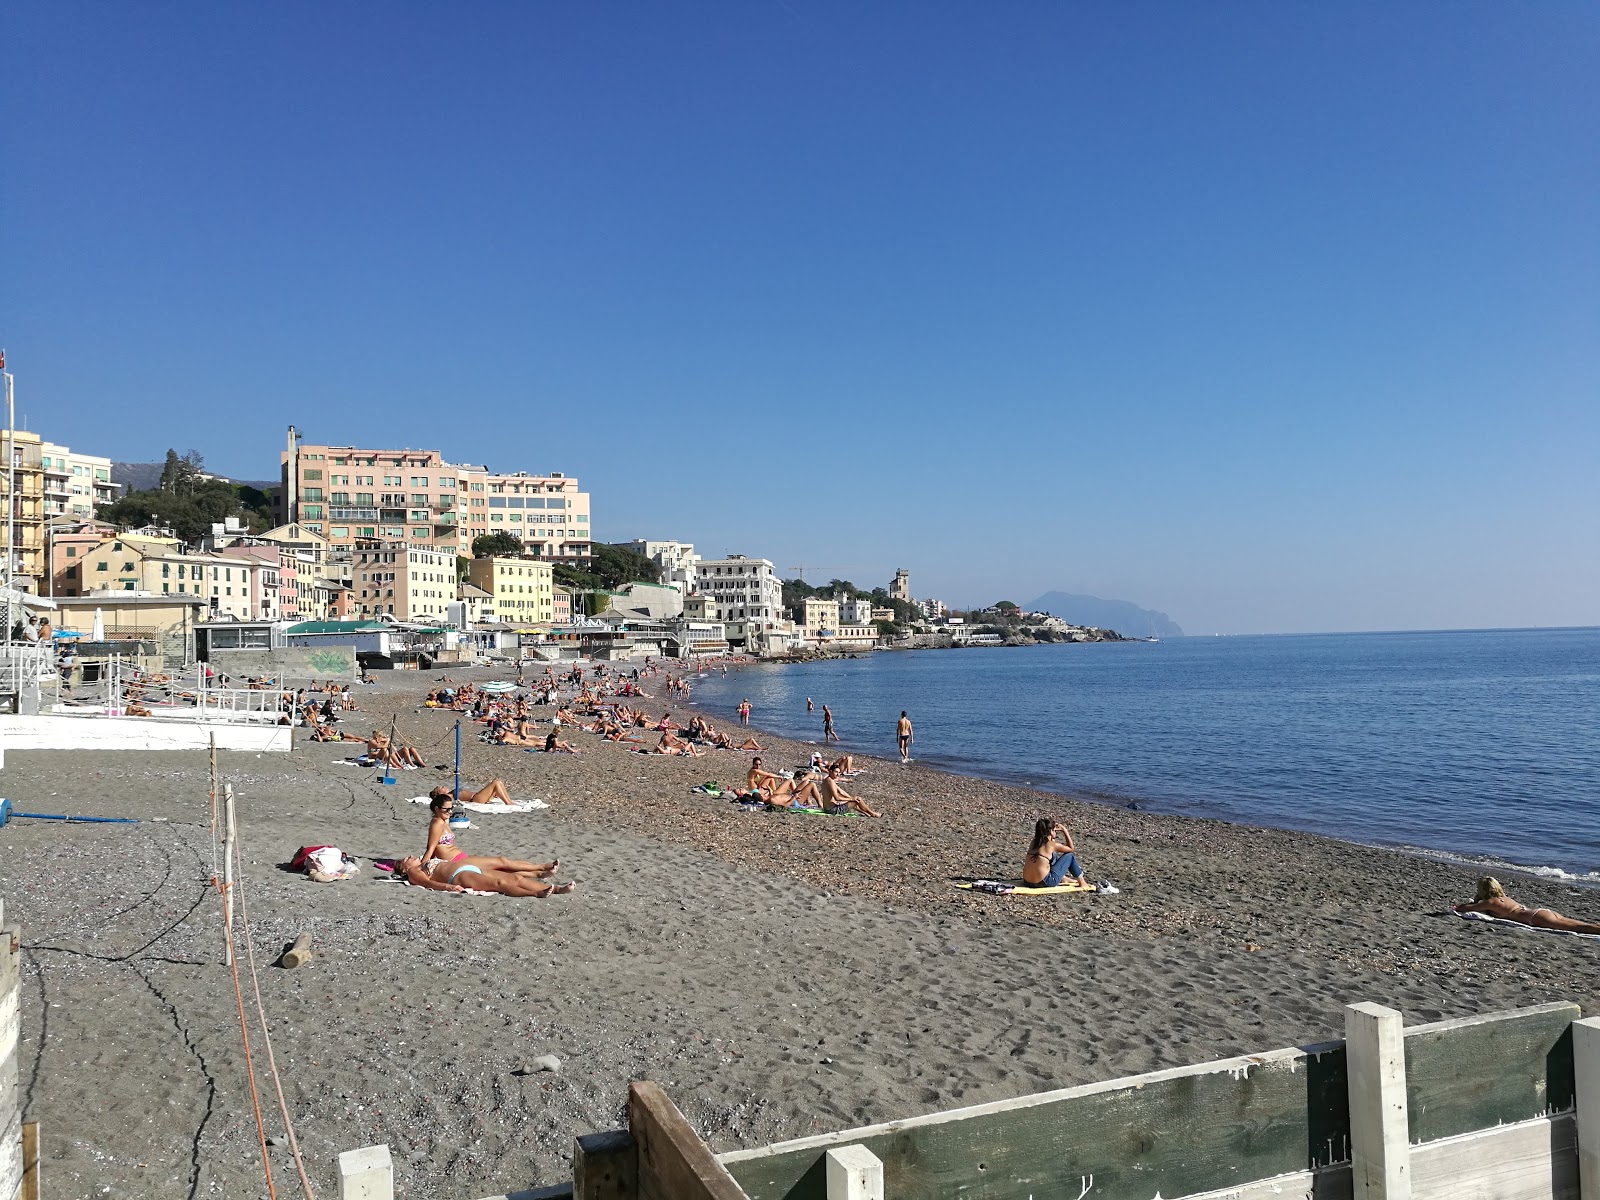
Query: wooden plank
(674,1164)
(366,1174)
(30,1161)
(1479,1072)
(853,1173)
(1533,1160)
(1208,1127)
(1586,1078)
(1375,1060)
(605,1166)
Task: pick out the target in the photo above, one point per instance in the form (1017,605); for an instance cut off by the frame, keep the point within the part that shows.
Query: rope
(261,1013)
(244,1033)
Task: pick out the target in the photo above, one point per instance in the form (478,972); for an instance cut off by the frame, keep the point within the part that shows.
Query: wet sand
(781,975)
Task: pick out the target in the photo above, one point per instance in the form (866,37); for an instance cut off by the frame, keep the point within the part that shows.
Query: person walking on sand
(744,712)
(828,735)
(902,734)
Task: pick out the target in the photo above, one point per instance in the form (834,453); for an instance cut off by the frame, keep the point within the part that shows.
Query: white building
(74,484)
(676,559)
(745,591)
(856,610)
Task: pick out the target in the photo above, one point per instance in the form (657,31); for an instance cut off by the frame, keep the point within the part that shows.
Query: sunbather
(798,792)
(554,744)
(1491,900)
(1052,857)
(836,800)
(493,792)
(443,876)
(442,843)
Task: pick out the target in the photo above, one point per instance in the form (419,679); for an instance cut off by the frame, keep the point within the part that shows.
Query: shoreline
(1484,864)
(780,975)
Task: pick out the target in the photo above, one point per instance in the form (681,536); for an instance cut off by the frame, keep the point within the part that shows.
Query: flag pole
(11,494)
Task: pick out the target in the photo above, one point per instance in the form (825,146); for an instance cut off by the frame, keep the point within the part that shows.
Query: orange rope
(244,1032)
(261,1013)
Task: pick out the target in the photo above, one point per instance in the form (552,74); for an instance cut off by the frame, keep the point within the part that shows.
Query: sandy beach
(780,975)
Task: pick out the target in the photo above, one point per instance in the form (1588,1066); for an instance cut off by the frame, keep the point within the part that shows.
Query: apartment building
(546,512)
(74,484)
(523,588)
(273,587)
(823,623)
(746,595)
(676,559)
(157,566)
(348,493)
(310,595)
(23,488)
(408,582)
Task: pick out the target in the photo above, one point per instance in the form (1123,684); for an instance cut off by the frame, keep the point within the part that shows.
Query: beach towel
(996,888)
(516,806)
(1477,916)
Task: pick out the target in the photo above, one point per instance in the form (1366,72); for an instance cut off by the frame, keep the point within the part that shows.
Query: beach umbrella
(99,632)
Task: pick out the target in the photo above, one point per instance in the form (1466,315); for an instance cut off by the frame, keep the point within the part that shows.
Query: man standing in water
(902,733)
(827,726)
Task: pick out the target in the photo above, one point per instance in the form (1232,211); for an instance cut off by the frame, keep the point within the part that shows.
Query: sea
(1475,745)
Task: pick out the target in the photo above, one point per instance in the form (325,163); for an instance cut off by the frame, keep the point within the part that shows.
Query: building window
(312,473)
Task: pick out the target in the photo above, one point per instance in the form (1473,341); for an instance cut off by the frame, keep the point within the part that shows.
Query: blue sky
(1271,316)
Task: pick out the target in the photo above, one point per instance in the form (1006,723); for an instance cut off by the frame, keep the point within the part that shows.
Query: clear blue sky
(1273,316)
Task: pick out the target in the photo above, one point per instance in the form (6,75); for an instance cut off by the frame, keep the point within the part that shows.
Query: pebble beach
(781,975)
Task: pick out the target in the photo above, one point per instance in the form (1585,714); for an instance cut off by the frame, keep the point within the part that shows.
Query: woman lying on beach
(493,792)
(443,877)
(1051,858)
(442,845)
(1491,900)
(673,745)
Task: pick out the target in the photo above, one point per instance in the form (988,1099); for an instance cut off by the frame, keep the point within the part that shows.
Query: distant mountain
(1126,618)
(142,477)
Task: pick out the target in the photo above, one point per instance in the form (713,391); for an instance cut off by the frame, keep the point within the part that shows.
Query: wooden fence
(1501,1107)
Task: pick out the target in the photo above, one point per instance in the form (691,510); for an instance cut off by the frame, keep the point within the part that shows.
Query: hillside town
(412,561)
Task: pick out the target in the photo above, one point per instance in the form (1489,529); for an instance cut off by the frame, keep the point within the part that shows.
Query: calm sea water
(1478,744)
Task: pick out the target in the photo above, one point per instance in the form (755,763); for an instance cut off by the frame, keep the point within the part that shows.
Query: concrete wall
(61,731)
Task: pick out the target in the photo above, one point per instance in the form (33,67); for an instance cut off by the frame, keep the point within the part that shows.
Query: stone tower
(900,589)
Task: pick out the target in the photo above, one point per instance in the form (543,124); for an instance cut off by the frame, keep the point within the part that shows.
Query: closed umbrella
(98,633)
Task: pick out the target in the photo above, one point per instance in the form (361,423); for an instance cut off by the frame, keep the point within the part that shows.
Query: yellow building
(159,566)
(523,588)
(407,582)
(27,506)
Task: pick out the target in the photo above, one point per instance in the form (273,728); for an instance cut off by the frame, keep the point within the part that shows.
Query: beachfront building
(855,610)
(745,591)
(561,604)
(405,581)
(822,624)
(152,565)
(271,583)
(310,598)
(346,493)
(523,589)
(676,559)
(54,486)
(477,605)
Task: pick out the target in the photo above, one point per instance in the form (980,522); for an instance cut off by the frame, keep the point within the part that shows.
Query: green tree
(796,590)
(496,544)
(463,565)
(617,565)
(887,629)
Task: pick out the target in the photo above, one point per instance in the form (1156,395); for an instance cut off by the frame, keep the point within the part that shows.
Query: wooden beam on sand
(1586,1069)
(674,1164)
(605,1166)
(1375,1058)
(297,955)
(30,1162)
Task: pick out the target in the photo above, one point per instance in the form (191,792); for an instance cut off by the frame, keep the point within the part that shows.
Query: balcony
(445,520)
(352,514)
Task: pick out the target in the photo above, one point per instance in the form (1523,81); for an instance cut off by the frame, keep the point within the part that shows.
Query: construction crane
(800,572)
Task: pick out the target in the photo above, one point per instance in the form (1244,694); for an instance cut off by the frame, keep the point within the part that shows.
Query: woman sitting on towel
(1051,858)
(797,793)
(459,876)
(442,845)
(1491,900)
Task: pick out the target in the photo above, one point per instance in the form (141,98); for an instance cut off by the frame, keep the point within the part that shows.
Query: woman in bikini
(458,877)
(1052,857)
(443,847)
(493,792)
(1491,900)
